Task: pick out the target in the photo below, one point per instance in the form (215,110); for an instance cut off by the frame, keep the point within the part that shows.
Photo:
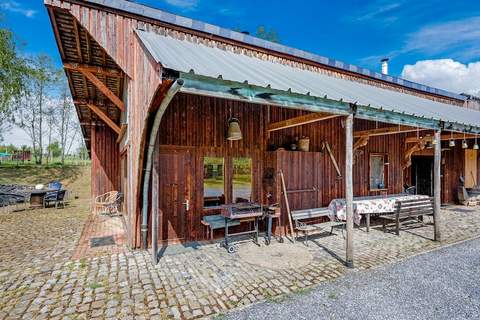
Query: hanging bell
(475,146)
(234,132)
(464,144)
(451,143)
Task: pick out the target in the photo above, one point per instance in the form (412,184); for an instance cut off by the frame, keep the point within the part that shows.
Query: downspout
(174,88)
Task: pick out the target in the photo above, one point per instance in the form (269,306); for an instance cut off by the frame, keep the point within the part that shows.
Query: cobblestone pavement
(189,282)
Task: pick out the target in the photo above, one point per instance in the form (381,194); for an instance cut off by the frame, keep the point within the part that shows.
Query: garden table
(37,196)
(367,205)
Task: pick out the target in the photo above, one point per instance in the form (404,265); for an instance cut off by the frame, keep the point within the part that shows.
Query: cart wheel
(281,240)
(231,249)
(267,241)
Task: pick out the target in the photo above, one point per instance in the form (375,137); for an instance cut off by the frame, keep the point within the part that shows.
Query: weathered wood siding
(115,34)
(198,124)
(105,161)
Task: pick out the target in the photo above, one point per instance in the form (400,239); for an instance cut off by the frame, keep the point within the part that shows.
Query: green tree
(13,71)
(54,149)
(32,107)
(269,35)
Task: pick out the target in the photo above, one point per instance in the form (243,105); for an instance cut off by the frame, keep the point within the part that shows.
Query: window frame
(233,175)
(385,171)
(225,180)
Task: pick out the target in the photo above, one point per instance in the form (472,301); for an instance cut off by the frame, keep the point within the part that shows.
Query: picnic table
(367,205)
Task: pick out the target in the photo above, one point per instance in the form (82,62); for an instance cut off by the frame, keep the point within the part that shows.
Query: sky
(428,41)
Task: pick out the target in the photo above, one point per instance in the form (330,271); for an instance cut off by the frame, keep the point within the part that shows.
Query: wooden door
(470,173)
(174,195)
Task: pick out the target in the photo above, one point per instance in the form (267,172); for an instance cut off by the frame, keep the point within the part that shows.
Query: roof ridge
(189,23)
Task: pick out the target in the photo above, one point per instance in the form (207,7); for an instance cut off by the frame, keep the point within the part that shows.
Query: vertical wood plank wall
(105,160)
(199,124)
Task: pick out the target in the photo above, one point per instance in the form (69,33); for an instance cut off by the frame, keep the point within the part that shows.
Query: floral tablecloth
(362,205)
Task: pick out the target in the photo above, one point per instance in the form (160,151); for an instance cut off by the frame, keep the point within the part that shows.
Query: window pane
(213,181)
(242,179)
(377,177)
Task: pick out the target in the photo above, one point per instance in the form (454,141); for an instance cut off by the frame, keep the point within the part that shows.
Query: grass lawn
(74,178)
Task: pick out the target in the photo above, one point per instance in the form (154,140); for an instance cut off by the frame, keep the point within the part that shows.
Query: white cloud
(14,6)
(184,4)
(460,36)
(457,39)
(446,74)
(380,11)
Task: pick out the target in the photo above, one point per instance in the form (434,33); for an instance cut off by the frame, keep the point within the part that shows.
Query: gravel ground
(443,284)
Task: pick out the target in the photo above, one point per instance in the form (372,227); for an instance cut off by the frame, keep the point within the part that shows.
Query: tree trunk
(40,114)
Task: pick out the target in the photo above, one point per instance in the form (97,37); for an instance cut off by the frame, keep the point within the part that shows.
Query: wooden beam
(361,142)
(104,89)
(77,40)
(81,67)
(407,160)
(349,188)
(123,130)
(299,121)
(104,117)
(51,13)
(383,131)
(437,183)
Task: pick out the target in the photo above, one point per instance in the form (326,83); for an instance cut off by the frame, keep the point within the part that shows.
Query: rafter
(104,89)
(95,109)
(383,131)
(299,121)
(56,32)
(81,67)
(76,32)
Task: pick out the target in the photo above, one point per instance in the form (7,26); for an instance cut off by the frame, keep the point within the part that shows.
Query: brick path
(101,226)
(188,283)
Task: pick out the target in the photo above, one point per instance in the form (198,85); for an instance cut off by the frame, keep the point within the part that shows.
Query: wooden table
(37,196)
(367,206)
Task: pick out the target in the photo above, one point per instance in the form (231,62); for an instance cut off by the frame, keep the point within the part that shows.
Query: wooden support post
(437,186)
(349,187)
(155,211)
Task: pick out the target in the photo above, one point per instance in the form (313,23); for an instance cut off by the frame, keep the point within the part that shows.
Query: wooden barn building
(213,115)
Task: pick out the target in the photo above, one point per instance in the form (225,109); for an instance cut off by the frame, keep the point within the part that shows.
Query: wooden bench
(300,217)
(406,210)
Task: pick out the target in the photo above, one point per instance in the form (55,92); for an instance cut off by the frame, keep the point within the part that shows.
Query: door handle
(187,204)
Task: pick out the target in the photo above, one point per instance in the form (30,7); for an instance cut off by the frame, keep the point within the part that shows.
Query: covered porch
(361,139)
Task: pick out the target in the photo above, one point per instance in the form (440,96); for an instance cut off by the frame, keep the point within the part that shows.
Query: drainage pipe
(174,88)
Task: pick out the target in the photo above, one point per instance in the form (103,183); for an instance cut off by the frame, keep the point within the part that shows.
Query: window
(242,179)
(213,181)
(378,174)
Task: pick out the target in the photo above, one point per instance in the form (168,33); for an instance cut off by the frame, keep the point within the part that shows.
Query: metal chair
(57,197)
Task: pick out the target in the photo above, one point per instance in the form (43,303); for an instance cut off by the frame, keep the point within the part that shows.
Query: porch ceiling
(80,52)
(222,68)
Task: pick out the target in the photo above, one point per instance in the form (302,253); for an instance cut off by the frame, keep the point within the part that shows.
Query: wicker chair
(108,203)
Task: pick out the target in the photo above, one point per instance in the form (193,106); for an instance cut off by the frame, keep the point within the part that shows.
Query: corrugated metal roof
(184,56)
(167,17)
